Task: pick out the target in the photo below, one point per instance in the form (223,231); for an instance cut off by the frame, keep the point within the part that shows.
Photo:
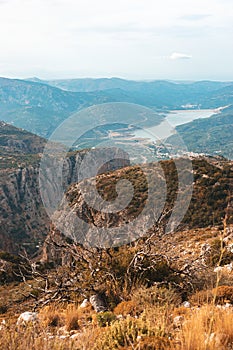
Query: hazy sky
(136,39)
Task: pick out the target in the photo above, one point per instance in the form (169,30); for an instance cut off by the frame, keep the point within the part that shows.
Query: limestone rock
(98,303)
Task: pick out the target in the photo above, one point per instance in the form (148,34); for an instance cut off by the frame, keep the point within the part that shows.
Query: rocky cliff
(23,218)
(24,222)
(75,219)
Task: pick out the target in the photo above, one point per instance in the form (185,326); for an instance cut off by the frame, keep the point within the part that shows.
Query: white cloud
(195,17)
(179,56)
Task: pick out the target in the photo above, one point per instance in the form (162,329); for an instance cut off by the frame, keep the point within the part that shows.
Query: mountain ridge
(40,108)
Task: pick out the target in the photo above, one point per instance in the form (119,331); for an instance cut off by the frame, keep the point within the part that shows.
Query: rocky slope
(24,221)
(15,141)
(211,199)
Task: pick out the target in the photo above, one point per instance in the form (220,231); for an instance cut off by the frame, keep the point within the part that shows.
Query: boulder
(27,317)
(84,304)
(186,304)
(98,303)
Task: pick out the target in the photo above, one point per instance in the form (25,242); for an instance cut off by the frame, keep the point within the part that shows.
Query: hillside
(15,141)
(24,221)
(40,108)
(142,287)
(18,147)
(212,135)
(211,193)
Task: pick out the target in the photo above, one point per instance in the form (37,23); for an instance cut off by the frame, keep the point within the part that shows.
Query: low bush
(223,294)
(142,333)
(219,252)
(50,317)
(105,318)
(201,297)
(126,308)
(156,296)
(71,319)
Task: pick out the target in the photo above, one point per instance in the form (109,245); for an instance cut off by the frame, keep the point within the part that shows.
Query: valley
(148,259)
(116,175)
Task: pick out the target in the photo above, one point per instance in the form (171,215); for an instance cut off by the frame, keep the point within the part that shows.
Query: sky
(132,39)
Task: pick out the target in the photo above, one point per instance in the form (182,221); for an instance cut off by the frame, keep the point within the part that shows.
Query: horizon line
(118,77)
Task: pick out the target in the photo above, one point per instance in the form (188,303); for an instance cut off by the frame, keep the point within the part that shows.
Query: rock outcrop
(24,220)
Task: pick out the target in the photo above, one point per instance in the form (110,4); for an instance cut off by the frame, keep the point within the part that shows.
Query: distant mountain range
(41,106)
(159,93)
(89,84)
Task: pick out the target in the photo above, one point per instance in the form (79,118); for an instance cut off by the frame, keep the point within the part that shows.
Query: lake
(173,119)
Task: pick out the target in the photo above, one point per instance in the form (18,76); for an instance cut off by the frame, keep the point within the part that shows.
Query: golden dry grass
(205,328)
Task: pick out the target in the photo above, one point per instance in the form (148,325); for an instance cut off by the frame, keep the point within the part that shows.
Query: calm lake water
(185,116)
(173,119)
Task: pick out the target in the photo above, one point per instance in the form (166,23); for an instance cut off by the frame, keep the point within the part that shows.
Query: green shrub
(105,318)
(131,333)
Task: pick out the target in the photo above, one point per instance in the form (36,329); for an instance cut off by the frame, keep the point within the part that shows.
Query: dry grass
(200,333)
(147,322)
(50,317)
(201,297)
(224,294)
(154,296)
(203,328)
(71,318)
(29,338)
(126,308)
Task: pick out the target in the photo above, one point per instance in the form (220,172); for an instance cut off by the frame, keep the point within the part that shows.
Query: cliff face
(24,221)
